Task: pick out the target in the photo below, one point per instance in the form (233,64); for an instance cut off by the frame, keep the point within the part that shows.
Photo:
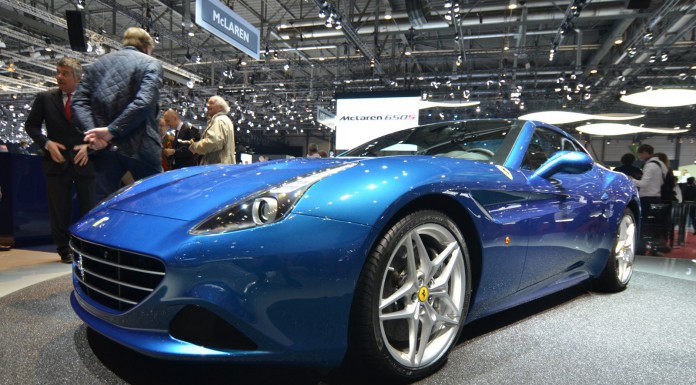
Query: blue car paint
(267,290)
(289,286)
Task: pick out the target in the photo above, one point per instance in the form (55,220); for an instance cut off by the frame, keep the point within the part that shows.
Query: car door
(565,211)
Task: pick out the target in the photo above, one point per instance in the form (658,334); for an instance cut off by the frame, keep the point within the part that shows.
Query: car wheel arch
(448,206)
(634,206)
(362,343)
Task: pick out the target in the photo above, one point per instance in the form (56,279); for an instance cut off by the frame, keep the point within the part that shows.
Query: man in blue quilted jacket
(116,106)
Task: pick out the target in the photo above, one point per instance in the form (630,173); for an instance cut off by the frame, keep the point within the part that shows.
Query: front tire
(412,297)
(619,267)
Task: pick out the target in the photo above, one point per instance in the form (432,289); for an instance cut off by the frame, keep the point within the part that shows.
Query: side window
(543,145)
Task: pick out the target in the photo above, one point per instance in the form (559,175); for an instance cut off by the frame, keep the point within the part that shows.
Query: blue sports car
(381,255)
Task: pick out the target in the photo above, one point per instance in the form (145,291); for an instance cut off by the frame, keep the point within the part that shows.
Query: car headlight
(266,207)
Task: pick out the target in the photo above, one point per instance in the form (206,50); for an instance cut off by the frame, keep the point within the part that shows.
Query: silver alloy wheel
(422,295)
(624,251)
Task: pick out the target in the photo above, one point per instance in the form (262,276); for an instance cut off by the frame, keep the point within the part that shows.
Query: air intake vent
(204,328)
(115,278)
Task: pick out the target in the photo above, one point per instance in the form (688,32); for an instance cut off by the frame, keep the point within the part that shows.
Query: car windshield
(484,140)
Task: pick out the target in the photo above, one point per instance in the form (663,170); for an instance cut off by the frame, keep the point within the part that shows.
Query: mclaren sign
(226,24)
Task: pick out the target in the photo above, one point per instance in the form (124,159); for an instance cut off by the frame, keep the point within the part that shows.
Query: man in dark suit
(180,155)
(66,161)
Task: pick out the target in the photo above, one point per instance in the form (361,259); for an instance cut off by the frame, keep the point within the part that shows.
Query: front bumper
(284,291)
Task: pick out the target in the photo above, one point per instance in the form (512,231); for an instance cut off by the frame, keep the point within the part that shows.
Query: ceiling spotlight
(652,59)
(448,4)
(198,58)
(156,37)
(387,14)
(190,84)
(648,36)
(631,52)
(663,57)
(80,4)
(286,67)
(618,40)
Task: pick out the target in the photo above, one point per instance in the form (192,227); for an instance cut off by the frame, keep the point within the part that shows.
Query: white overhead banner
(226,24)
(360,119)
(325,117)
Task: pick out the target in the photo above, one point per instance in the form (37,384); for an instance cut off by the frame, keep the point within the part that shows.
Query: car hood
(196,192)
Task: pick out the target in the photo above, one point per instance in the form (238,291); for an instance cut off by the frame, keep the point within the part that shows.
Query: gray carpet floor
(644,335)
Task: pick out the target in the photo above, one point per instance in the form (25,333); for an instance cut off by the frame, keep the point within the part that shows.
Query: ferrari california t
(379,256)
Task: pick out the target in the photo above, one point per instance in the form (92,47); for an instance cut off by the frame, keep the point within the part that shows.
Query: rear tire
(619,268)
(412,298)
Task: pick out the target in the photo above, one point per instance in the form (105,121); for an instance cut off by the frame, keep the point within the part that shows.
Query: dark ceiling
(488,51)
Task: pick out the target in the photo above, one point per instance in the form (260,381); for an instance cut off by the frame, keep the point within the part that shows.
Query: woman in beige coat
(217,141)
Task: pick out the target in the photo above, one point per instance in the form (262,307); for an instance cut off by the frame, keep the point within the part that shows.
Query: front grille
(114,278)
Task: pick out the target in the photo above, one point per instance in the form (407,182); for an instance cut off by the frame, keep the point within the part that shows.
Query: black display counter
(23,206)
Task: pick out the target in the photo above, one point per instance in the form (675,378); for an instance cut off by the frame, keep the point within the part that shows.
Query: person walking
(66,160)
(627,166)
(184,134)
(689,196)
(656,217)
(217,141)
(116,106)
(313,151)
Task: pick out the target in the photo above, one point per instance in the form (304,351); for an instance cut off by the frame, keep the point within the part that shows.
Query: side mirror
(570,162)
